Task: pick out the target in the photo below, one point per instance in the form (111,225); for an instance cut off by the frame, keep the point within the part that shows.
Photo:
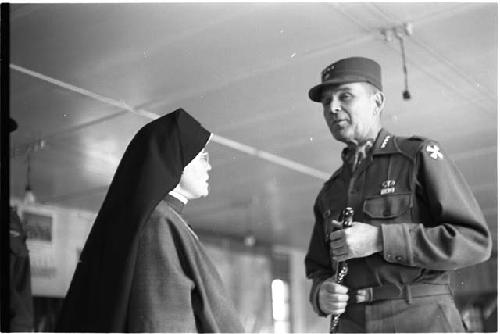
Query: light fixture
(28,149)
(29,196)
(249,239)
(400,32)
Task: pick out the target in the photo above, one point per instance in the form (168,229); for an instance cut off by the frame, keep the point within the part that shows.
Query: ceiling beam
(253,151)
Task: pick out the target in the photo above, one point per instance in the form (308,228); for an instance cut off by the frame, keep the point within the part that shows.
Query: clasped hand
(333,297)
(360,240)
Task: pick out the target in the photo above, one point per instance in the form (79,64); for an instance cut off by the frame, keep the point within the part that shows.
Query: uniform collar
(385,143)
(350,151)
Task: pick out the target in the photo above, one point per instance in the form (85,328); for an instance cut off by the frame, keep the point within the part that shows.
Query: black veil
(149,169)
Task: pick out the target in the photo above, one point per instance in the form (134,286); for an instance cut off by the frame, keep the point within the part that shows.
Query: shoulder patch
(434,151)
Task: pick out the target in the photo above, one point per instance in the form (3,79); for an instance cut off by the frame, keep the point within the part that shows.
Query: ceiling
(86,77)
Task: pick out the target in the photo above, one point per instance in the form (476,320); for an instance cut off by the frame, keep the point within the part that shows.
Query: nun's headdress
(150,168)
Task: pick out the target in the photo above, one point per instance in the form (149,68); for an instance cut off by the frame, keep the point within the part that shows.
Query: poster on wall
(39,226)
(55,236)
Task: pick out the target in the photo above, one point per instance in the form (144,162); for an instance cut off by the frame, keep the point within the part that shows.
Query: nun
(143,268)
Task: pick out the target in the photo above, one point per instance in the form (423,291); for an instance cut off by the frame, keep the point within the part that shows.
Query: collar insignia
(386,140)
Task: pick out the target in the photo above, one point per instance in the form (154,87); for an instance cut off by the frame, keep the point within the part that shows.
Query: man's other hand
(332,297)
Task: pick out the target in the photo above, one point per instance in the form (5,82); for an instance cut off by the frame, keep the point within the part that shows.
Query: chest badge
(388,187)
(434,152)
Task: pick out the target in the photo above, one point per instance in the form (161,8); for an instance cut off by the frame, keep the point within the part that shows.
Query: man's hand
(332,297)
(360,240)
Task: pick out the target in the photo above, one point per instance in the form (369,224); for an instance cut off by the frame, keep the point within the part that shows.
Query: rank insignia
(327,72)
(386,140)
(388,187)
(434,152)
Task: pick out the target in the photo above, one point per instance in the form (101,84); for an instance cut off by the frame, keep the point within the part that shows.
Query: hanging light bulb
(29,196)
(249,239)
(399,32)
(406,92)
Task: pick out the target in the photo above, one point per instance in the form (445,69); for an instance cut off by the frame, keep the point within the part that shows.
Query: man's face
(352,111)
(194,179)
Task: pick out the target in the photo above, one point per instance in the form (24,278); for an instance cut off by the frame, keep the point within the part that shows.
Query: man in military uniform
(415,218)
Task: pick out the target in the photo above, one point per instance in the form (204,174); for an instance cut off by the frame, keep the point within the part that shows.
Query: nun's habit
(142,268)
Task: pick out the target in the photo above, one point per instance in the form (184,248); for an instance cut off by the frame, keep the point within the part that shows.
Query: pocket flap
(388,206)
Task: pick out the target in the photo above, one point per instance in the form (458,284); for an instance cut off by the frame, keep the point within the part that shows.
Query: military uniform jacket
(429,219)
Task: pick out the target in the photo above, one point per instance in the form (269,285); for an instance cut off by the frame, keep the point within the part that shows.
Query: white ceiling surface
(243,70)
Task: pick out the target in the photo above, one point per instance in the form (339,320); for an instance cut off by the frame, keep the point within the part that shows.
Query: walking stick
(340,268)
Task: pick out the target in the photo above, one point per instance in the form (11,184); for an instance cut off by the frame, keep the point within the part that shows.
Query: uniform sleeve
(456,234)
(317,260)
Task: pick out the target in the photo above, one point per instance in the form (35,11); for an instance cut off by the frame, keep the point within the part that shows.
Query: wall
(55,236)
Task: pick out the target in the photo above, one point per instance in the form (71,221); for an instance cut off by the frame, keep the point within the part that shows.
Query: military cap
(347,70)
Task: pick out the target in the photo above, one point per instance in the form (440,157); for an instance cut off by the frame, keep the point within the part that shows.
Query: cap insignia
(327,72)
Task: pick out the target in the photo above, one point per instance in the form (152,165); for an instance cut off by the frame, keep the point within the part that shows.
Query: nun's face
(194,179)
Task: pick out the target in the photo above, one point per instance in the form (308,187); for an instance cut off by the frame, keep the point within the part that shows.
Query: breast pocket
(388,206)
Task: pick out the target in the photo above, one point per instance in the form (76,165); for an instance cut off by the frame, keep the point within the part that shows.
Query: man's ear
(379,100)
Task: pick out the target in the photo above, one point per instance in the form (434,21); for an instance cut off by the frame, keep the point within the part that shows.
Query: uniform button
(399,258)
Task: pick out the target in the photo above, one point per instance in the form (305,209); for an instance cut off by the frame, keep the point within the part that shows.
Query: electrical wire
(436,78)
